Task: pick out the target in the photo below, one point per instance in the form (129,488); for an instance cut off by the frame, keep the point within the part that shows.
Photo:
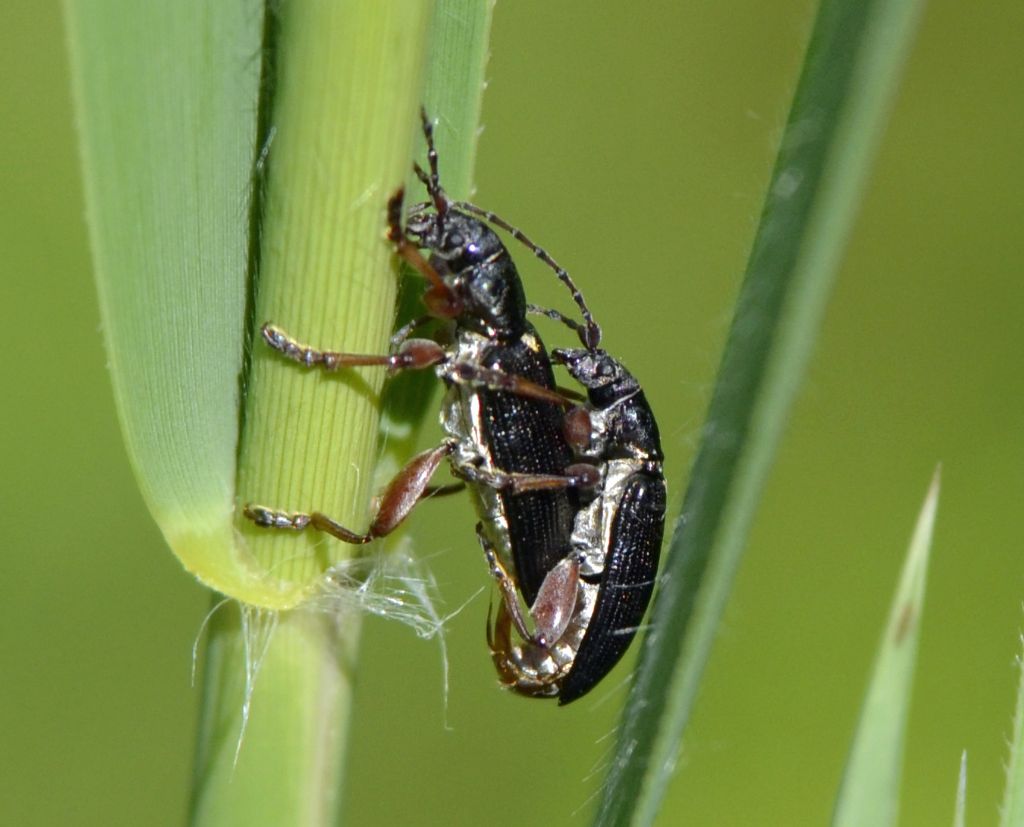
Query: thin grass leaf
(960,814)
(869,793)
(846,86)
(1012,810)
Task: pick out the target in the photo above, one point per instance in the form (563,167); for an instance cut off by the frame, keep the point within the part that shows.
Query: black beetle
(571,498)
(592,603)
(502,415)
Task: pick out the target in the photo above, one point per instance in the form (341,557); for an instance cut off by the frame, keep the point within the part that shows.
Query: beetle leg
(577,426)
(399,498)
(590,333)
(413,354)
(499,641)
(499,636)
(580,475)
(442,490)
(467,373)
(440,299)
(506,585)
(551,610)
(513,673)
(399,336)
(299,520)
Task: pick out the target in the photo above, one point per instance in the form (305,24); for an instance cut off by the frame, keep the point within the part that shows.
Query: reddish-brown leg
(439,299)
(467,373)
(551,610)
(442,490)
(412,354)
(580,475)
(506,585)
(499,641)
(396,502)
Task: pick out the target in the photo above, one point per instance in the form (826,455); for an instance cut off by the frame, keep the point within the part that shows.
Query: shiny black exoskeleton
(507,438)
(592,604)
(477,271)
(627,446)
(508,445)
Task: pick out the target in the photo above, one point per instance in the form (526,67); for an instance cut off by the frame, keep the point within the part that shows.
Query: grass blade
(847,83)
(1012,810)
(869,793)
(960,814)
(167,129)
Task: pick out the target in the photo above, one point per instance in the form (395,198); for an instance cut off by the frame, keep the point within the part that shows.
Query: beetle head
(604,377)
(476,269)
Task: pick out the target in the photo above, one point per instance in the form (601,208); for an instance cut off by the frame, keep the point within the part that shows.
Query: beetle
(502,415)
(571,498)
(592,603)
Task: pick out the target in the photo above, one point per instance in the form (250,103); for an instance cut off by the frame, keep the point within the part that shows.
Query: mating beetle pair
(603,586)
(571,496)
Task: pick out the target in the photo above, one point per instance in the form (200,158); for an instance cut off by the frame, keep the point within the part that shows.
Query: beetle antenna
(432,181)
(590,332)
(572,324)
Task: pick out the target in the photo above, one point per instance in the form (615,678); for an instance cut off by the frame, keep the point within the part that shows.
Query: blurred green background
(635,143)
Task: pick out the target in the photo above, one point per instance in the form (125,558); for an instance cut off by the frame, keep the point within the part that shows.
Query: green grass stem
(346,121)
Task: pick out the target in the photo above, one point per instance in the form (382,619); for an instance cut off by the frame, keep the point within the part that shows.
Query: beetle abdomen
(626,586)
(525,436)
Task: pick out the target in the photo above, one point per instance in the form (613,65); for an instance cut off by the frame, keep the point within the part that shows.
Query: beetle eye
(472,248)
